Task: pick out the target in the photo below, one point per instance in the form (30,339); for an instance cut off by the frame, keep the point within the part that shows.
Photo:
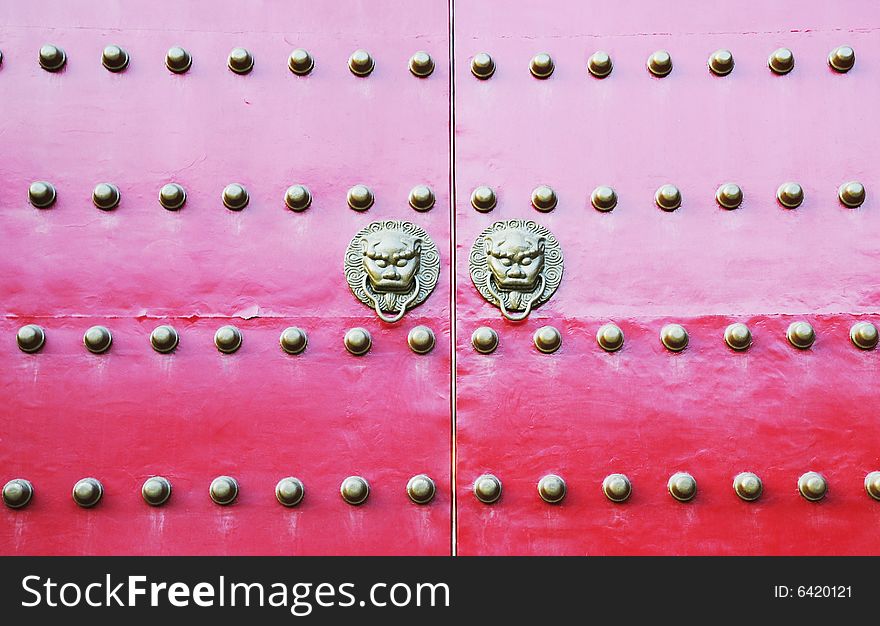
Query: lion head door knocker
(517,266)
(392,266)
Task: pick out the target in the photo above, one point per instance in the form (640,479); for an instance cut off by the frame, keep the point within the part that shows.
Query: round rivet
(97,339)
(872,484)
(361,63)
(52,58)
(421,64)
(298,198)
(541,65)
(660,63)
(87,492)
(482,66)
(240,61)
(483,199)
(842,59)
(544,198)
(30,338)
(354,490)
(114,58)
(682,486)
(227,339)
(600,64)
(293,340)
(812,486)
(421,198)
(668,197)
(300,62)
(547,339)
(289,491)
(235,197)
(178,60)
(551,488)
(781,61)
(801,335)
(41,194)
(223,490)
(421,489)
(156,490)
(106,196)
(617,487)
(18,492)
(851,194)
(674,337)
(790,195)
(603,198)
(358,341)
(484,340)
(487,488)
(172,196)
(748,486)
(738,336)
(421,339)
(164,338)
(721,62)
(863,335)
(610,337)
(360,198)
(729,196)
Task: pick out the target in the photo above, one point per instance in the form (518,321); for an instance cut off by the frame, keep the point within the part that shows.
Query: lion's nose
(516,272)
(390,274)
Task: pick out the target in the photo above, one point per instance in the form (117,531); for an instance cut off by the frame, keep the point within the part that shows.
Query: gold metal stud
(52,58)
(421,489)
(872,484)
(235,197)
(227,339)
(293,340)
(421,198)
(864,335)
(358,341)
(223,490)
(289,491)
(240,61)
(617,487)
(660,63)
(17,493)
(674,337)
(682,486)
(97,339)
(487,489)
(483,199)
(801,335)
(544,198)
(172,196)
(668,197)
(547,339)
(300,62)
(609,337)
(156,490)
(361,63)
(851,194)
(360,198)
(813,486)
(106,196)
(354,490)
(114,58)
(790,195)
(482,66)
(842,59)
(781,61)
(603,198)
(421,339)
(600,64)
(484,340)
(738,336)
(421,64)
(721,62)
(541,65)
(87,492)
(42,194)
(164,338)
(298,198)
(30,338)
(552,488)
(178,60)
(729,196)
(748,486)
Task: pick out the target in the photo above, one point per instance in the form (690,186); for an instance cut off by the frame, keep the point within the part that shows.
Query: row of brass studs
(235,197)
(674,337)
(227,339)
(681,486)
(240,60)
(659,64)
(790,195)
(224,490)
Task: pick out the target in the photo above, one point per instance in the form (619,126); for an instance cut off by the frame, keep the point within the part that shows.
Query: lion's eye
(506,262)
(381,262)
(526,260)
(402,262)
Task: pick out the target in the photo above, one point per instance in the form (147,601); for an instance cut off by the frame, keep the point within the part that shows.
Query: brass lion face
(391,260)
(516,258)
